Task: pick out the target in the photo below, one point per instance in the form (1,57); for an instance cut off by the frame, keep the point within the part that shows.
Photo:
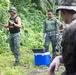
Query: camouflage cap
(68,5)
(13,9)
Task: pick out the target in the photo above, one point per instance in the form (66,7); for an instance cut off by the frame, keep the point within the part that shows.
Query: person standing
(68,57)
(50,32)
(14,25)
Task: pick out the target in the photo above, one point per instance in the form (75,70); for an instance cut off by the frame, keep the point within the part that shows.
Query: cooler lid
(46,53)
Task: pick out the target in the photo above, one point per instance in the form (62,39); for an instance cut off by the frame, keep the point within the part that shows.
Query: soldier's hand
(44,35)
(57,37)
(10,22)
(7,29)
(54,65)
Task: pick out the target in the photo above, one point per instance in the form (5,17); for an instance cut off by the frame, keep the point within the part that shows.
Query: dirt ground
(42,70)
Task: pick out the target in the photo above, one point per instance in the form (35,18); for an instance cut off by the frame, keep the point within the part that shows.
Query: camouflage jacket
(50,25)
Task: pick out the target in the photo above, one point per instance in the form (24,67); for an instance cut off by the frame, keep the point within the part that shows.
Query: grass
(26,67)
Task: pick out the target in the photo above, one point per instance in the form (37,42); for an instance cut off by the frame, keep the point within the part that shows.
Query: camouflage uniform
(15,45)
(69,39)
(51,28)
(14,37)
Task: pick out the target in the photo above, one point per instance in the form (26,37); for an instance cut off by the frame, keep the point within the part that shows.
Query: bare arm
(6,26)
(18,22)
(55,65)
(17,25)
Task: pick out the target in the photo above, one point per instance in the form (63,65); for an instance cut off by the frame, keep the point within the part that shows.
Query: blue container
(43,59)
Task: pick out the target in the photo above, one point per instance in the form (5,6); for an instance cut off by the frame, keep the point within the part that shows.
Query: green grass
(26,67)
(7,61)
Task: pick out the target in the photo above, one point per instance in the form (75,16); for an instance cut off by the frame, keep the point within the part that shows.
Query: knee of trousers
(17,51)
(46,45)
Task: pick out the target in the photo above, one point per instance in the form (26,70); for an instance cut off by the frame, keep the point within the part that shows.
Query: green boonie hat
(13,9)
(68,5)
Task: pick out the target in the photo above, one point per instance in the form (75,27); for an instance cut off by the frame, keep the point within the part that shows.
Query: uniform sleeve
(57,28)
(44,26)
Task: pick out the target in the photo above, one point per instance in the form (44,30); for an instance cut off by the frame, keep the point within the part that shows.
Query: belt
(50,31)
(15,32)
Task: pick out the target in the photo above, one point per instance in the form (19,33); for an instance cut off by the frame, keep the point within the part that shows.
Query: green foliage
(6,65)
(43,5)
(4,5)
(31,35)
(3,42)
(32,22)
(32,25)
(26,64)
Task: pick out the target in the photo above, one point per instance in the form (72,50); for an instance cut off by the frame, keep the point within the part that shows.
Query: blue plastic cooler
(42,59)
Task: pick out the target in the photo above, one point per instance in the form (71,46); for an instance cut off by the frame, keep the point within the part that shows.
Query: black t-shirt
(12,28)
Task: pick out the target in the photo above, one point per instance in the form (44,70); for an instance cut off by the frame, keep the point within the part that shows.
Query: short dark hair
(50,10)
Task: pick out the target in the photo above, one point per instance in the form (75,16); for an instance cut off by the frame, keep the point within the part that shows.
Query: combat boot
(16,63)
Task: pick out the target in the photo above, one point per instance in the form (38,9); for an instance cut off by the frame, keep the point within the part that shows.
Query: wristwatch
(13,23)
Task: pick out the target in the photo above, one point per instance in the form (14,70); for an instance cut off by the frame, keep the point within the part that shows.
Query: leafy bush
(32,23)
(3,42)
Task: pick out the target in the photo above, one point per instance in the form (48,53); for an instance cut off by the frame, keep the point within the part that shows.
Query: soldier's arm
(4,25)
(44,27)
(59,23)
(57,28)
(55,65)
(18,22)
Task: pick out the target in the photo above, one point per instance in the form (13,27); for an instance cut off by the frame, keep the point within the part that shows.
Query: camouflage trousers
(53,41)
(14,42)
(58,46)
